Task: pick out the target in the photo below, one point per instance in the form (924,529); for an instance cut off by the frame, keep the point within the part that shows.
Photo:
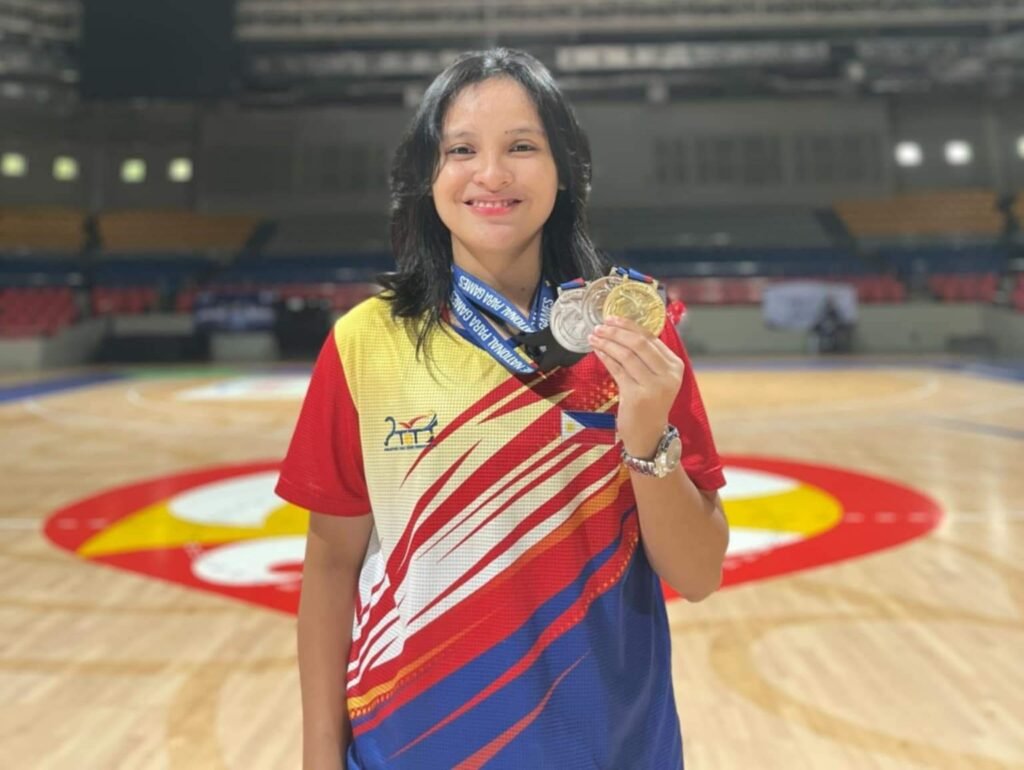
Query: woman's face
(497,180)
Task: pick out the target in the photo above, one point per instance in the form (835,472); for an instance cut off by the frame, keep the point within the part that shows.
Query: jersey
(506,616)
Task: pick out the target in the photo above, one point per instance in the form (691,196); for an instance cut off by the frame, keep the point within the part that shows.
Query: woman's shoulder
(369,328)
(369,316)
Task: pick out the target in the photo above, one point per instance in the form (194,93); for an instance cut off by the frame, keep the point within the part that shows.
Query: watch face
(673,453)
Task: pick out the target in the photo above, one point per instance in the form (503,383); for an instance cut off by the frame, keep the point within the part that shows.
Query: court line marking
(978,427)
(12,393)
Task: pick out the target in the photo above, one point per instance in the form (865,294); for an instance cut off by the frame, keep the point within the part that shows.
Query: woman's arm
(335,548)
(683,530)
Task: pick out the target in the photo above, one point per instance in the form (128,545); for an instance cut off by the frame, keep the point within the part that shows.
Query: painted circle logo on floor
(786,516)
(224,530)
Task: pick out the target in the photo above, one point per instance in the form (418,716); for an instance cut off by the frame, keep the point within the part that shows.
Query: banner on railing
(799,305)
(235,312)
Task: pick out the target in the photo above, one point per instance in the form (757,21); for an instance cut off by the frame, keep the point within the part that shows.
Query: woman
(481,552)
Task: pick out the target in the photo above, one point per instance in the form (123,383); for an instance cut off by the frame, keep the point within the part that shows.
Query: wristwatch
(666,456)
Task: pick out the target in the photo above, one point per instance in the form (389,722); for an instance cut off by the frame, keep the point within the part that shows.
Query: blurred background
(205,180)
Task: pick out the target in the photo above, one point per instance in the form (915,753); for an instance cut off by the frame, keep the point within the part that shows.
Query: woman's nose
(493,172)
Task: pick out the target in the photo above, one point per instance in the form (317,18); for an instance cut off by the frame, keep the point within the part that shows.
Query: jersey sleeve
(323,469)
(700,457)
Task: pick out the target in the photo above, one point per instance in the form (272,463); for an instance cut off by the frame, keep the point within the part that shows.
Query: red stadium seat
(34,311)
(964,288)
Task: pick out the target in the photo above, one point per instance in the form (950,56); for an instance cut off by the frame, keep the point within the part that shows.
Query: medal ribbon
(469,295)
(632,274)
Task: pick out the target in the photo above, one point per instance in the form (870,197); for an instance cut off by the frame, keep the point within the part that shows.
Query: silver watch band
(652,466)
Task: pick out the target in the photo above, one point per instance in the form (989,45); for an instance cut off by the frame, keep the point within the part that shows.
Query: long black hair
(422,245)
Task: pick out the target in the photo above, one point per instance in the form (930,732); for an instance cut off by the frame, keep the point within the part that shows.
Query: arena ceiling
(294,52)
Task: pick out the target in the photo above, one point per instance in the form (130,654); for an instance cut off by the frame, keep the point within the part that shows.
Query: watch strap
(649,466)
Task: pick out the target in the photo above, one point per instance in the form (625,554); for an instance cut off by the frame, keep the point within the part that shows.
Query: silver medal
(593,300)
(568,325)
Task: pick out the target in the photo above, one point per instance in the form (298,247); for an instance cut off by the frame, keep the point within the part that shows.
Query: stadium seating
(326,268)
(55,230)
(143,284)
(748,291)
(31,312)
(966,259)
(113,300)
(340,280)
(925,216)
(340,297)
(964,287)
(163,260)
(174,231)
(1017,298)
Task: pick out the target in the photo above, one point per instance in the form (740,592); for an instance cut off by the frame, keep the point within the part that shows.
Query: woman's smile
(493,208)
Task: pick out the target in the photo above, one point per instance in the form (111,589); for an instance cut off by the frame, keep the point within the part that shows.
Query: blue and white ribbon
(470,295)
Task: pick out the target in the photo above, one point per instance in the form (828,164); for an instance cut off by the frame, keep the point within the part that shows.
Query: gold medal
(638,301)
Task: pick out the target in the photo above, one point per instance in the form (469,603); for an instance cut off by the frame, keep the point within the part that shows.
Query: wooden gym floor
(897,646)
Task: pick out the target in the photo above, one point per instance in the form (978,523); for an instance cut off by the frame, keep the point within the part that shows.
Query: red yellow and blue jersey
(506,616)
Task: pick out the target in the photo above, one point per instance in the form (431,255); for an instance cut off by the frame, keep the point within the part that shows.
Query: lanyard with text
(469,294)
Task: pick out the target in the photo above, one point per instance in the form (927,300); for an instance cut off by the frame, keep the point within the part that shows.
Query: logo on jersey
(416,433)
(223,529)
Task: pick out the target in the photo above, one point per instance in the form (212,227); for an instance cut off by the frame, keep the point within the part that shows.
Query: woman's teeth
(493,204)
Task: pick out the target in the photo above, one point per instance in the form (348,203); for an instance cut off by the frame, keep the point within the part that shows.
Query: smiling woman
(493,128)
(490,572)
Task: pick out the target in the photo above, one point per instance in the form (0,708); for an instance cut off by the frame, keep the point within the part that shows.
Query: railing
(418,19)
(52,20)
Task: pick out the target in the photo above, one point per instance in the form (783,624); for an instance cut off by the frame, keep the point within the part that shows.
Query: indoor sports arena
(429,384)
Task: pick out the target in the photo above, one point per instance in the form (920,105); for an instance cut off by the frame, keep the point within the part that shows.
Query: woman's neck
(515,276)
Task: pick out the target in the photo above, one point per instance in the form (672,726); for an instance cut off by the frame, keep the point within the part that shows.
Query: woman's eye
(464,150)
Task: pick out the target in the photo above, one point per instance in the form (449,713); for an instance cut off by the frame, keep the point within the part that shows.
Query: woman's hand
(648,374)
